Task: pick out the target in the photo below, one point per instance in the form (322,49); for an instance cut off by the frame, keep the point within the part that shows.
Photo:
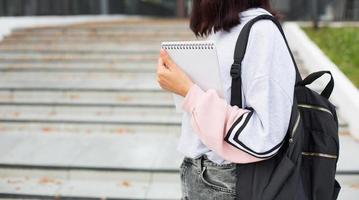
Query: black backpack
(304,167)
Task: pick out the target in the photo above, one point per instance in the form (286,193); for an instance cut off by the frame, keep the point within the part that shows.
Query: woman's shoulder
(264,29)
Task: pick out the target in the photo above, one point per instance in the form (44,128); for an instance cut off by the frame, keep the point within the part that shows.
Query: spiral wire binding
(188,46)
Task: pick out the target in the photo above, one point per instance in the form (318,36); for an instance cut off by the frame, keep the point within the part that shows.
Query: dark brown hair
(221,14)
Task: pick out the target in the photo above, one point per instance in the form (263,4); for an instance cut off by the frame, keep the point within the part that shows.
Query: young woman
(268,78)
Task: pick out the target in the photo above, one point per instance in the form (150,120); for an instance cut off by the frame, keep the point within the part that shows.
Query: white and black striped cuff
(232,138)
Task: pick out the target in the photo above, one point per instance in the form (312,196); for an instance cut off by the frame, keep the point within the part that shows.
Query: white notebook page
(200,62)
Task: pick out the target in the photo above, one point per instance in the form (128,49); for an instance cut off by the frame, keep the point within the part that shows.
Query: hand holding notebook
(198,59)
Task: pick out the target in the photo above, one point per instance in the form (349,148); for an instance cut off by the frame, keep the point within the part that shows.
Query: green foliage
(341,45)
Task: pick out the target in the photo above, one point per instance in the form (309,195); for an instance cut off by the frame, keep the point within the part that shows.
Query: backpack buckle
(235,70)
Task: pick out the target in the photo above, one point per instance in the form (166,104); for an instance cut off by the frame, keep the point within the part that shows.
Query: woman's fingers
(159,64)
(161,69)
(166,58)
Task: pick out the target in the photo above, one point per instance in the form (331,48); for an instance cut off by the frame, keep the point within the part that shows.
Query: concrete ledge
(345,94)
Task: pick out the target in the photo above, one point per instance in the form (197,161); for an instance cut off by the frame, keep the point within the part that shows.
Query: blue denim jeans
(201,179)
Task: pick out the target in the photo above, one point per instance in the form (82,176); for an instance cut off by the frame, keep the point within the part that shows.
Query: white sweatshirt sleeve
(268,77)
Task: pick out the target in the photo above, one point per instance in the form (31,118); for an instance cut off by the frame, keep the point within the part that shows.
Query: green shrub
(341,45)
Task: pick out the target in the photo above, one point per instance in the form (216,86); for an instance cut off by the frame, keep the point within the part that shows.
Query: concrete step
(85,66)
(181,27)
(85,162)
(349,148)
(116,152)
(29,58)
(87,184)
(40,184)
(71,76)
(143,25)
(84,40)
(350,187)
(117,20)
(101,33)
(16,127)
(136,21)
(109,24)
(119,58)
(93,46)
(83,51)
(28,53)
(89,114)
(83,98)
(58,60)
(79,81)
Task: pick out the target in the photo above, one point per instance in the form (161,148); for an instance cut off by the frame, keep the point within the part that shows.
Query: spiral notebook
(198,59)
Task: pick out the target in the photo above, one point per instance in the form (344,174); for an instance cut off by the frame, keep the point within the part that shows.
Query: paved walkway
(81,114)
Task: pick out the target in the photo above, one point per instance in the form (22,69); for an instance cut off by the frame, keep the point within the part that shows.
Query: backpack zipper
(294,128)
(315,108)
(324,155)
(319,108)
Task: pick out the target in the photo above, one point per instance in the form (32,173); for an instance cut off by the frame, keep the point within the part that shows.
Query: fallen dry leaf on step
(46,129)
(121,131)
(52,113)
(47,180)
(74,97)
(123,98)
(125,184)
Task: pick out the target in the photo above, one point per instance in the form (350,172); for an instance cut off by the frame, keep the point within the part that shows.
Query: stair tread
(65,76)
(84,39)
(349,186)
(141,151)
(93,114)
(95,46)
(349,148)
(106,85)
(100,32)
(140,98)
(91,184)
(116,185)
(81,128)
(8,57)
(136,27)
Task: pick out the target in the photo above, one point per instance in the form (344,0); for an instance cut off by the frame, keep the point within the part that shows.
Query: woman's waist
(204,161)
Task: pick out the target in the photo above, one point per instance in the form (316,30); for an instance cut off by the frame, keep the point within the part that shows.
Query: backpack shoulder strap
(239,52)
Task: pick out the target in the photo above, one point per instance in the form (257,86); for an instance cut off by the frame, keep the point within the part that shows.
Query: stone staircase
(82,116)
